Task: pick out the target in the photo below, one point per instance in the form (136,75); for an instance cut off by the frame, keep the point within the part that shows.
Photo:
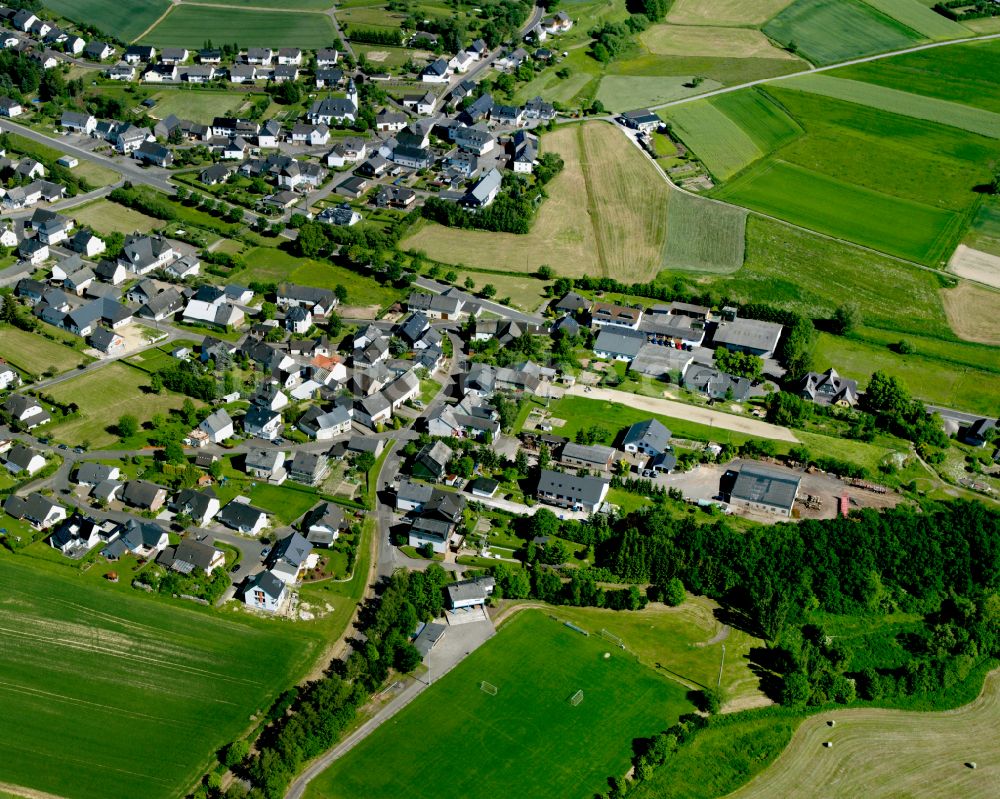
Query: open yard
(891,753)
(527,740)
(104,395)
(190,25)
(32,353)
(105,216)
(149,689)
(124,19)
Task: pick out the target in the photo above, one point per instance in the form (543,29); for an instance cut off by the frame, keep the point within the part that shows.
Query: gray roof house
(749,335)
(716,384)
(829,388)
(572,491)
(289,556)
(648,437)
(762,488)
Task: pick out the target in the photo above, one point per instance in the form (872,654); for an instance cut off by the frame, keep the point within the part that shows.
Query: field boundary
(157,21)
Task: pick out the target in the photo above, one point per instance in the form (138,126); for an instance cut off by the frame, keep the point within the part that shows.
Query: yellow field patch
(685,40)
(106,217)
(973,312)
(725,12)
(976,265)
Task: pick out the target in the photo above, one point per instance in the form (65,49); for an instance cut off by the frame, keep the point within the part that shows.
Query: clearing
(104,216)
(199,105)
(149,688)
(190,25)
(124,19)
(974,313)
(891,753)
(527,740)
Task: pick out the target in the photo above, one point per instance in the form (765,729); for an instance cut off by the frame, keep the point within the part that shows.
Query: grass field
(125,19)
(914,14)
(528,740)
(984,234)
(198,106)
(724,12)
(189,26)
(956,115)
(703,236)
(827,31)
(149,689)
(95,174)
(928,753)
(760,118)
(105,216)
(694,41)
(622,92)
(32,353)
(901,227)
(721,144)
(104,396)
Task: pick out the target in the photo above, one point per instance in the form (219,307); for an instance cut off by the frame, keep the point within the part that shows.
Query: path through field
(879,754)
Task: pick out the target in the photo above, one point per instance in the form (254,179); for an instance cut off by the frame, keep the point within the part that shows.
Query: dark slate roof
(765,485)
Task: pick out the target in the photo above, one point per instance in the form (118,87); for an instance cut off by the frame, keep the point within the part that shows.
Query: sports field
(33,353)
(190,25)
(921,18)
(104,396)
(125,19)
(106,692)
(528,740)
(891,753)
(703,236)
(827,31)
(724,12)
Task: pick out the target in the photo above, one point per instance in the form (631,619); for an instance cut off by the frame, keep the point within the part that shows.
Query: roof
(266,582)
(194,503)
(141,492)
(766,486)
(239,514)
(434,457)
(585,489)
(749,333)
(195,554)
(595,453)
(293,549)
(465,590)
(626,343)
(650,433)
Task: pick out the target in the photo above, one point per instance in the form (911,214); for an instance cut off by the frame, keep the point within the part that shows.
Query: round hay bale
(971,764)
(607,655)
(832,723)
(828,744)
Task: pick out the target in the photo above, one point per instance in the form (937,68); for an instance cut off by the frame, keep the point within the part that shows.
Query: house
(8,237)
(39,511)
(319,301)
(608,313)
(342,215)
(325,425)
(524,153)
(373,410)
(411,496)
(484,487)
(174,55)
(201,506)
(161,73)
(978,433)
(9,107)
(437,71)
(242,73)
(26,411)
(111,272)
(308,467)
(87,243)
(98,50)
(716,384)
(618,345)
(537,108)
(266,464)
(107,342)
(353,187)
(765,489)
(322,524)
(476,139)
(461,61)
(572,491)
(243,517)
(347,151)
(200,73)
(412,157)
(289,557)
(485,190)
(75,536)
(149,152)
(310,134)
(91,474)
(217,426)
(142,254)
(298,320)
(144,495)
(582,456)
(327,57)
(192,556)
(264,591)
(648,437)
(829,388)
(125,72)
(183,268)
(435,306)
(24,460)
(437,521)
(431,462)
(290,56)
(748,335)
(641,119)
(478,49)
(8,375)
(507,115)
(333,110)
(260,422)
(210,56)
(139,54)
(217,312)
(470,593)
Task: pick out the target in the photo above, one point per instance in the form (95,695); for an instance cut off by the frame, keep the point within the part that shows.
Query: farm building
(762,488)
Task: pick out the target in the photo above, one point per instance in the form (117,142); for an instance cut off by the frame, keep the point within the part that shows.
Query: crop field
(528,740)
(891,753)
(105,216)
(724,12)
(704,236)
(147,689)
(281,5)
(901,227)
(693,41)
(622,92)
(125,19)
(32,353)
(920,18)
(722,145)
(956,115)
(760,118)
(827,31)
(104,396)
(189,26)
(985,231)
(974,314)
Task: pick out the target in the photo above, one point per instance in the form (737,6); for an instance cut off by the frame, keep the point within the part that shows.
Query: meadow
(148,689)
(125,19)
(199,105)
(706,40)
(921,18)
(31,352)
(528,740)
(703,236)
(189,26)
(724,12)
(721,144)
(762,119)
(984,234)
(104,216)
(827,31)
(623,92)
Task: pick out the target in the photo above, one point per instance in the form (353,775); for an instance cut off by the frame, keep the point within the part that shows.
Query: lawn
(528,740)
(704,235)
(125,19)
(34,354)
(827,31)
(189,26)
(287,503)
(875,219)
(95,174)
(104,216)
(104,395)
(150,689)
(524,293)
(199,105)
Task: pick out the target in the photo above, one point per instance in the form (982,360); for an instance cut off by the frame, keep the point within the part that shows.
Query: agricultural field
(985,231)
(921,18)
(762,119)
(736,13)
(149,689)
(720,143)
(890,753)
(124,19)
(703,236)
(190,25)
(827,31)
(31,352)
(103,396)
(104,216)
(622,92)
(527,740)
(708,41)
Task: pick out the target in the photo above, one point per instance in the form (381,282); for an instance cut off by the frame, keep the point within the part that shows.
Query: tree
(489,290)
(127,426)
(544,524)
(268,310)
(236,753)
(713,699)
(407,658)
(673,592)
(469,283)
(155,384)
(311,240)
(740,364)
(340,292)
(173,452)
(545,272)
(846,318)
(795,689)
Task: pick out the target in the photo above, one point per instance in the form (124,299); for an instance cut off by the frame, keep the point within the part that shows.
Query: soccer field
(106,693)
(457,742)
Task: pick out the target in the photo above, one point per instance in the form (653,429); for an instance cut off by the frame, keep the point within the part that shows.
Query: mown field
(921,18)
(33,353)
(891,753)
(104,216)
(827,31)
(528,740)
(721,144)
(198,106)
(724,12)
(623,92)
(703,236)
(125,19)
(189,26)
(146,690)
(707,40)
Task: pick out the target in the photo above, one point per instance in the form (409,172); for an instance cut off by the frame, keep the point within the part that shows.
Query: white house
(264,591)
(217,426)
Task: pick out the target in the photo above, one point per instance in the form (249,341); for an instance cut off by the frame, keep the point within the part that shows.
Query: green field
(703,236)
(125,19)
(956,115)
(199,105)
(622,92)
(901,227)
(918,16)
(189,26)
(985,231)
(30,352)
(760,118)
(827,31)
(721,144)
(147,690)
(104,216)
(528,740)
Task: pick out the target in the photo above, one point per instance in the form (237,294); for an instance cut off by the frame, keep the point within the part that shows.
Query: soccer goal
(488,688)
(576,699)
(613,639)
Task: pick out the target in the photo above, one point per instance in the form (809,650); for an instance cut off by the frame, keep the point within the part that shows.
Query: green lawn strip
(134,677)
(517,737)
(428,390)
(626,500)
(287,502)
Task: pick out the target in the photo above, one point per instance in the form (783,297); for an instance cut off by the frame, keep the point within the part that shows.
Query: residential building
(572,491)
(829,388)
(583,456)
(243,517)
(649,437)
(264,591)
